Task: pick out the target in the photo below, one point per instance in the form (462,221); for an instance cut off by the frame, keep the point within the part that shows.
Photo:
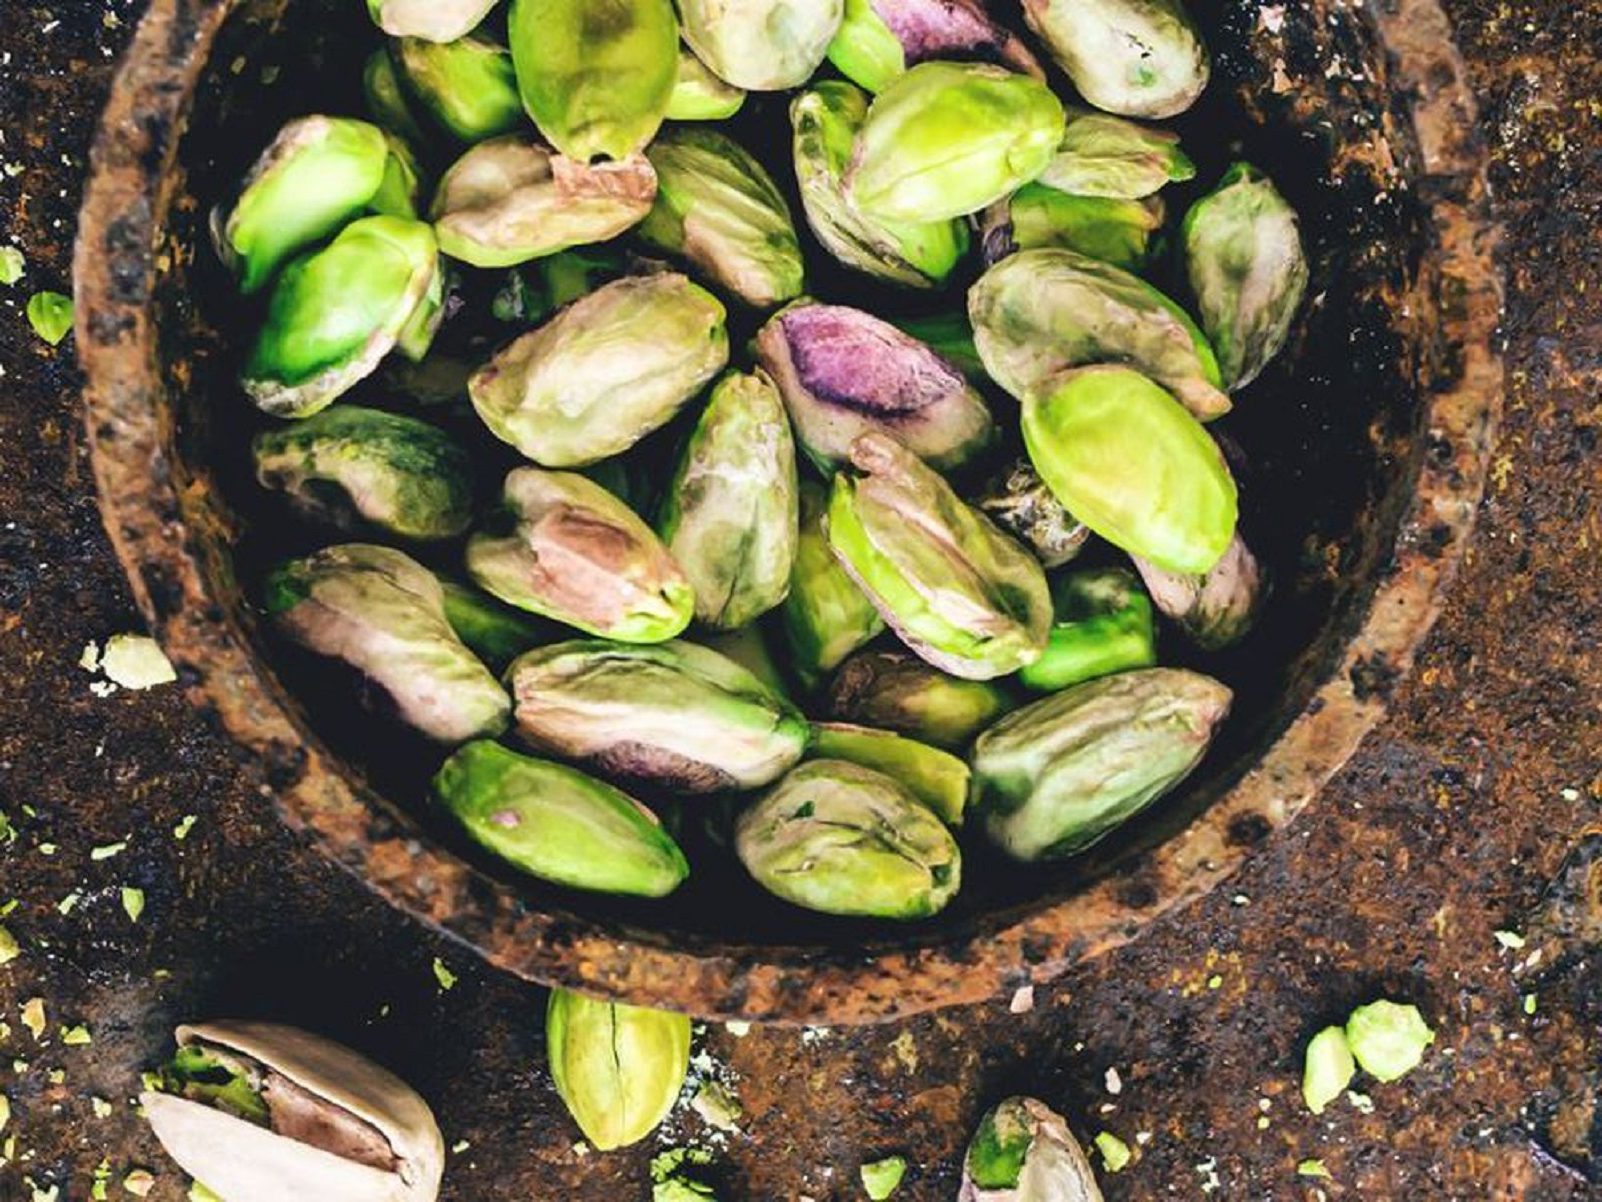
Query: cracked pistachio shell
(1039,312)
(383,614)
(935,777)
(1107,156)
(387,102)
(1215,608)
(825,616)
(1244,261)
(335,314)
(845,373)
(699,95)
(1102,625)
(947,139)
(825,120)
(898,691)
(842,839)
(718,208)
(1135,58)
(761,45)
(879,39)
(731,513)
(675,715)
(565,548)
(336,1125)
(492,630)
(596,75)
(1022,1151)
(557,824)
(356,468)
(1052,778)
(436,20)
(467,86)
(604,372)
(618,1068)
(1017,500)
(510,200)
(1129,462)
(1119,232)
(958,591)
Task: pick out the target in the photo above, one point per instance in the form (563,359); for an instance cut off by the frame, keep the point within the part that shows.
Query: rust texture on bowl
(1392,133)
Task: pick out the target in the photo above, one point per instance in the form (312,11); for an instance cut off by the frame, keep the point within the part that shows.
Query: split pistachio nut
(1107,156)
(825,120)
(838,838)
(825,616)
(596,78)
(1134,58)
(1103,625)
(1215,608)
(383,614)
(618,1068)
(674,715)
(699,95)
(731,513)
(565,548)
(362,469)
(719,209)
(1052,778)
(436,20)
(1023,1151)
(1039,312)
(1127,460)
(1119,232)
(336,312)
(947,139)
(898,691)
(467,86)
(958,591)
(761,45)
(937,778)
(605,371)
(387,102)
(273,1114)
(509,200)
(492,630)
(1017,500)
(880,39)
(555,823)
(1247,270)
(845,373)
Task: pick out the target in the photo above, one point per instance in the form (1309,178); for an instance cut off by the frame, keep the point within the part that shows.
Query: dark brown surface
(1445,827)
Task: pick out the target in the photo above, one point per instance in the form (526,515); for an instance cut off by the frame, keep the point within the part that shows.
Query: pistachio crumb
(881,1178)
(135,661)
(445,977)
(67,904)
(101,1108)
(1511,940)
(1115,1152)
(9,948)
(185,825)
(75,1037)
(1311,1168)
(107,850)
(133,902)
(33,1017)
(139,1182)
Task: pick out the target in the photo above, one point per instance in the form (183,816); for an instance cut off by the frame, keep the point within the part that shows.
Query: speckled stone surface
(1446,827)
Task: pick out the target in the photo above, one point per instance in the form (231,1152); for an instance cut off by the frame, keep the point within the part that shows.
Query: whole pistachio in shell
(565,548)
(699,95)
(879,39)
(1103,155)
(437,20)
(1215,608)
(267,1113)
(825,616)
(1017,500)
(898,691)
(618,1068)
(467,86)
(1103,625)
(510,200)
(935,777)
(1022,1151)
(604,372)
(761,45)
(1135,58)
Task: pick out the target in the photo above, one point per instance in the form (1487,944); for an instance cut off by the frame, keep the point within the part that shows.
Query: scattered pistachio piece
(76,1037)
(1361,1102)
(1311,1168)
(1511,940)
(1115,1152)
(1388,1038)
(445,977)
(881,1178)
(717,1106)
(12,265)
(133,902)
(1529,1003)
(5,1111)
(67,904)
(50,315)
(185,825)
(9,948)
(101,1108)
(135,661)
(33,1017)
(106,851)
(139,1183)
(1327,1070)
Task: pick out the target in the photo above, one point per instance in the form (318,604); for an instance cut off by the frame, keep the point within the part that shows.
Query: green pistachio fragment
(383,614)
(900,692)
(468,85)
(1115,231)
(674,715)
(1107,156)
(1129,462)
(1136,58)
(947,139)
(596,75)
(510,200)
(436,20)
(881,1178)
(605,371)
(387,102)
(1039,312)
(731,512)
(1022,1151)
(335,314)
(842,839)
(717,207)
(1017,500)
(557,824)
(492,630)
(958,591)
(618,1068)
(567,549)
(761,45)
(1216,608)
(935,777)
(825,615)
(825,120)
(1247,271)
(844,373)
(1054,777)
(699,95)
(1327,1069)
(879,39)
(357,469)
(1388,1038)
(1103,625)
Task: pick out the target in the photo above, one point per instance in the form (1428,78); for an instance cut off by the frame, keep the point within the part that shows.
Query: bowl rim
(167,550)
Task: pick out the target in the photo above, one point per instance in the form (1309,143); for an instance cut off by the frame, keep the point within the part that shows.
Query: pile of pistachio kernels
(844,598)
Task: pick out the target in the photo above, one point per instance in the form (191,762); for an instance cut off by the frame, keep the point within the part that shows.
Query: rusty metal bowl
(1365,448)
